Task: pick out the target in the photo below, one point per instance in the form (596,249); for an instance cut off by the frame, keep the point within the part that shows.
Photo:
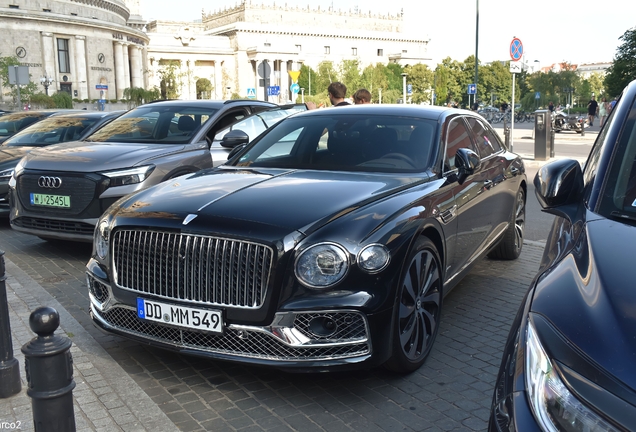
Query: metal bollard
(10,383)
(507,137)
(49,370)
(552,136)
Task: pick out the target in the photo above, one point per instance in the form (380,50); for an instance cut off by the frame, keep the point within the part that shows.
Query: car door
(469,212)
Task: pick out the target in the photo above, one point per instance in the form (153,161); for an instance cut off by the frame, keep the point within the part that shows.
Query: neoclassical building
(95,49)
(92,49)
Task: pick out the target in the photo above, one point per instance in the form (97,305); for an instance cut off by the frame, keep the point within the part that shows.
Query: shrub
(40,100)
(62,100)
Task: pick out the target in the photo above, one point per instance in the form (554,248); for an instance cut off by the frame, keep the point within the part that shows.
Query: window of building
(267,44)
(403,51)
(14,6)
(327,50)
(354,51)
(63,57)
(380,52)
(46,10)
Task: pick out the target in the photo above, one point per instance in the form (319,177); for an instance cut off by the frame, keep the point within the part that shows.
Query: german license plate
(46,200)
(181,316)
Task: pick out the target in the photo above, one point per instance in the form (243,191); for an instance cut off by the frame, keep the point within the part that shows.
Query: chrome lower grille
(200,269)
(243,343)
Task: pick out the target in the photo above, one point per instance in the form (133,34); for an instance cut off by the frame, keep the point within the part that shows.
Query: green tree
(136,96)
(171,79)
(374,79)
(326,75)
(349,73)
(623,69)
(421,79)
(307,80)
(204,88)
(62,100)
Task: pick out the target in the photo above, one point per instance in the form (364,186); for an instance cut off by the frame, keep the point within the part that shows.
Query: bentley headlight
(128,176)
(101,238)
(554,407)
(322,265)
(374,258)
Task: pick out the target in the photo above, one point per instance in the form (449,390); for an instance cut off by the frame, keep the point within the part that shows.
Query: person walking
(337,92)
(592,110)
(362,96)
(603,110)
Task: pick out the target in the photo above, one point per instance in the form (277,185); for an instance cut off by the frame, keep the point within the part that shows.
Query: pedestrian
(362,96)
(551,107)
(603,110)
(337,92)
(612,103)
(592,110)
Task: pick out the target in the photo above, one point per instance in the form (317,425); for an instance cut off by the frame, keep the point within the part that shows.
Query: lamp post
(46,81)
(302,94)
(404,87)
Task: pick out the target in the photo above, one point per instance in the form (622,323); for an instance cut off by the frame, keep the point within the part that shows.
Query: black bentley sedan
(568,364)
(328,242)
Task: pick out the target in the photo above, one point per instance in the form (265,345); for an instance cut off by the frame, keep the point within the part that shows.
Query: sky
(580,31)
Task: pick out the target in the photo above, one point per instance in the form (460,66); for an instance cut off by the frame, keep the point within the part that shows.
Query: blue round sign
(516,49)
(295,88)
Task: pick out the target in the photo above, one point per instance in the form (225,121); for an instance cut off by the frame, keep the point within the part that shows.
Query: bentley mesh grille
(194,268)
(232,342)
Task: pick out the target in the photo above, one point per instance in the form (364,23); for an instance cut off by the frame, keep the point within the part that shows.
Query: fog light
(322,326)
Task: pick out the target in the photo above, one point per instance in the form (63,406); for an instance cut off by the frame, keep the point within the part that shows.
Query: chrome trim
(49,182)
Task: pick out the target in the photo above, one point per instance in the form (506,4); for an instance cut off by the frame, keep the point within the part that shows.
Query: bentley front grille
(194,268)
(352,342)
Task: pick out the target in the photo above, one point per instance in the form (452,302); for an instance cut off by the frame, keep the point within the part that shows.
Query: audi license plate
(181,316)
(46,200)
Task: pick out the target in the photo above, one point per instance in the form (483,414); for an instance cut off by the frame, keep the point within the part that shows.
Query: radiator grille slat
(201,269)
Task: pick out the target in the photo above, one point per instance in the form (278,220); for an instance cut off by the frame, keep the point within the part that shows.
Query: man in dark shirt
(337,93)
(592,108)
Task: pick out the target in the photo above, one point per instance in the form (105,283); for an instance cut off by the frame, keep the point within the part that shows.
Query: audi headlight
(5,174)
(322,265)
(374,258)
(128,176)
(101,238)
(554,407)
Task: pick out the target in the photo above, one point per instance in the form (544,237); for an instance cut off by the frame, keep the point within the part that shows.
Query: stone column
(126,47)
(48,59)
(136,67)
(119,70)
(284,91)
(80,67)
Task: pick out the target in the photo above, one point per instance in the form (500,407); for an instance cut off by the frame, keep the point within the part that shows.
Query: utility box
(542,129)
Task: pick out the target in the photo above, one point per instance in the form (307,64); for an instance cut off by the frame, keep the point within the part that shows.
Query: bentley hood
(288,199)
(84,156)
(590,297)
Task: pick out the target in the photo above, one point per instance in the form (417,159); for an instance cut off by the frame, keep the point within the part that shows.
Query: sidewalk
(105,398)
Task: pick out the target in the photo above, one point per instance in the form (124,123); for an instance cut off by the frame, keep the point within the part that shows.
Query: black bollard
(507,137)
(552,136)
(49,370)
(10,383)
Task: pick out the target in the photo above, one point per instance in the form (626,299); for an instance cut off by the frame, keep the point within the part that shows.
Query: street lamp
(404,87)
(46,82)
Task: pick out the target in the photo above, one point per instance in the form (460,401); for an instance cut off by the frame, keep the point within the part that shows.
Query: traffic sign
(101,86)
(273,90)
(251,93)
(516,49)
(537,95)
(294,75)
(409,89)
(472,89)
(515,67)
(295,88)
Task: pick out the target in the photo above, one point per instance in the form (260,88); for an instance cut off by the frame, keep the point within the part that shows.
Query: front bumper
(288,342)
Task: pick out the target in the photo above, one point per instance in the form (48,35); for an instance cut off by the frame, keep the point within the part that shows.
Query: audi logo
(50,182)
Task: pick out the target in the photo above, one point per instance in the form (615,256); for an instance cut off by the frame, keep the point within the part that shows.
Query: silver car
(59,192)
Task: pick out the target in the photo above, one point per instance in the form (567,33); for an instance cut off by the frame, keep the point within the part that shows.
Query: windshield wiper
(617,215)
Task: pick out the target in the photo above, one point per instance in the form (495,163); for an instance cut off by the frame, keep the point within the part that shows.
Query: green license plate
(46,200)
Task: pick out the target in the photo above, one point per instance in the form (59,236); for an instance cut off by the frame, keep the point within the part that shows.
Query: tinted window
(345,142)
(618,196)
(457,136)
(487,142)
(52,130)
(12,123)
(155,123)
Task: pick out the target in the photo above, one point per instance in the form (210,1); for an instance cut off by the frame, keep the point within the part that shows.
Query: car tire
(509,248)
(418,308)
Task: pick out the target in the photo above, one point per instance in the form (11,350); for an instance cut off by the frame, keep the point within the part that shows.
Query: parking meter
(542,129)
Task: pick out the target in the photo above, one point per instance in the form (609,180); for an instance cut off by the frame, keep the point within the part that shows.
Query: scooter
(564,121)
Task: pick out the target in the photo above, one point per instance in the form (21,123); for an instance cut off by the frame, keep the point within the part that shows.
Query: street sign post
(472,88)
(251,93)
(409,89)
(516,49)
(273,91)
(516,53)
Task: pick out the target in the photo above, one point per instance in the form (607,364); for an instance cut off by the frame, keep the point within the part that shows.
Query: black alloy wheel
(510,246)
(418,308)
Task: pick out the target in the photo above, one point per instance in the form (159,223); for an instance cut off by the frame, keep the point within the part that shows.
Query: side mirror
(558,186)
(467,162)
(235,138)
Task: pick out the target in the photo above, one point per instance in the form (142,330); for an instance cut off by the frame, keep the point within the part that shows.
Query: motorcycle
(564,121)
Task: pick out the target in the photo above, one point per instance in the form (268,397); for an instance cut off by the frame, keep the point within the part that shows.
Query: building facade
(92,49)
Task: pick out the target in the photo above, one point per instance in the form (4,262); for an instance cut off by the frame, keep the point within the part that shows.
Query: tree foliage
(171,80)
(26,90)
(623,69)
(204,88)
(137,96)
